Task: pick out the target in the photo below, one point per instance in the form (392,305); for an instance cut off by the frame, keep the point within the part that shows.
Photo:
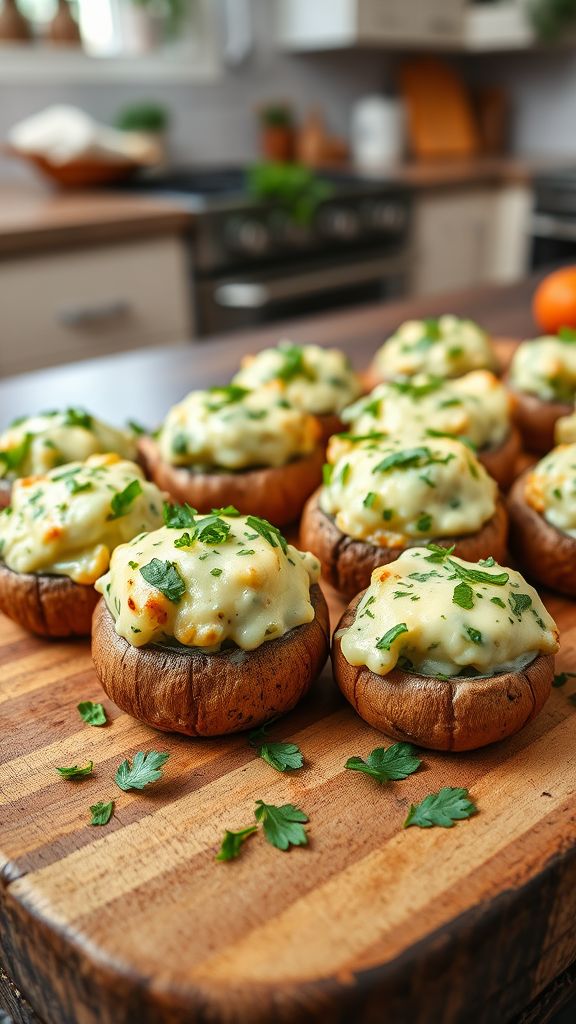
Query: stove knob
(383,215)
(248,235)
(340,222)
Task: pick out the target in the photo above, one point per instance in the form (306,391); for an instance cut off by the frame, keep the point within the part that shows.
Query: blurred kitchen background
(175,169)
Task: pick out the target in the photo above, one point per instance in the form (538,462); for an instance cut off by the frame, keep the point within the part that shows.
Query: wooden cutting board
(138,922)
(441,121)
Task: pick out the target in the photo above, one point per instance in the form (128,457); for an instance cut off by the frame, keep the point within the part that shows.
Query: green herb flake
(424,523)
(519,603)
(441,809)
(75,487)
(474,635)
(369,500)
(164,576)
(92,714)
(463,595)
(177,517)
(216,572)
(145,768)
(438,554)
(233,842)
(101,813)
(387,764)
(269,532)
(327,471)
(498,601)
(122,500)
(283,826)
(385,642)
(76,771)
(477,576)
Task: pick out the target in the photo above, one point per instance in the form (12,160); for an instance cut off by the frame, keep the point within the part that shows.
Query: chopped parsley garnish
(92,714)
(327,471)
(77,418)
(212,530)
(519,603)
(75,487)
(179,444)
(101,813)
(233,841)
(567,334)
(164,576)
(216,571)
(76,771)
(12,458)
(226,395)
(474,635)
(422,577)
(369,500)
(178,516)
(292,364)
(405,459)
(438,554)
(136,428)
(373,435)
(424,522)
(269,532)
(477,576)
(387,764)
(385,642)
(133,565)
(246,551)
(122,500)
(283,826)
(345,473)
(463,595)
(498,601)
(407,386)
(450,804)
(145,768)
(186,540)
(229,510)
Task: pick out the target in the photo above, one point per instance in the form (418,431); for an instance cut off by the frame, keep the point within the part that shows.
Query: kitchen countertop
(158,377)
(487,170)
(33,218)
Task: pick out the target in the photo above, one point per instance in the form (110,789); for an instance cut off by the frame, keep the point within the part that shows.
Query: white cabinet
(76,304)
(469,237)
(452,24)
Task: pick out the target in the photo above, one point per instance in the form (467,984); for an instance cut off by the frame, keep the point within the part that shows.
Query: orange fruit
(554,302)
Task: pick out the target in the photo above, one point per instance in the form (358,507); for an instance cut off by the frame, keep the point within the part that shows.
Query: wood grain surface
(136,921)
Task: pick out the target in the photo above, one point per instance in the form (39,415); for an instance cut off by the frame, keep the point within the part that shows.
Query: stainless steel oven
(250,263)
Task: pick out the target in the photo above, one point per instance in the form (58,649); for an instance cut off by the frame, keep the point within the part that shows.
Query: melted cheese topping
(68,521)
(231,428)
(565,429)
(412,616)
(35,444)
(242,590)
(545,367)
(447,347)
(475,406)
(318,380)
(393,495)
(551,488)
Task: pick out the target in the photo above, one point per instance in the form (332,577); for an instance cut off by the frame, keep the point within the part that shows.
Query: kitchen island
(137,922)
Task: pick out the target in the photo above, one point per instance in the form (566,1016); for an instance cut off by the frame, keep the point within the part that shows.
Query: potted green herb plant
(277,132)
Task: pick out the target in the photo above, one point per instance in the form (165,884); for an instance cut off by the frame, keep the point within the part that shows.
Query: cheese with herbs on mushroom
(68,521)
(438,615)
(215,580)
(550,488)
(231,428)
(35,444)
(395,494)
(545,367)
(446,347)
(318,380)
(475,406)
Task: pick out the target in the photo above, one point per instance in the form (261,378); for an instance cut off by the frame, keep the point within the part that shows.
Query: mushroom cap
(500,461)
(48,605)
(461,713)
(544,552)
(202,694)
(348,563)
(536,419)
(276,493)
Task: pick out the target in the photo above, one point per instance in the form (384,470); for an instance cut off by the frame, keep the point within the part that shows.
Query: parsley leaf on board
(76,771)
(385,642)
(281,756)
(562,678)
(387,764)
(450,804)
(101,813)
(92,714)
(283,826)
(122,500)
(233,841)
(164,576)
(463,595)
(176,517)
(145,768)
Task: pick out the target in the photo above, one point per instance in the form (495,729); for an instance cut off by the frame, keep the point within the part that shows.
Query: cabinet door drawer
(62,307)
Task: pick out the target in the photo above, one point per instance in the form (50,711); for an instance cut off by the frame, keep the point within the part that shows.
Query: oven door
(553,239)
(227,303)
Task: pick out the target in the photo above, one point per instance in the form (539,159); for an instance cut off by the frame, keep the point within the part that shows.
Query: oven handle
(258,294)
(544,226)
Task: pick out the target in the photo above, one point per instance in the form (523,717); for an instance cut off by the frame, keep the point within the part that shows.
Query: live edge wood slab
(138,922)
